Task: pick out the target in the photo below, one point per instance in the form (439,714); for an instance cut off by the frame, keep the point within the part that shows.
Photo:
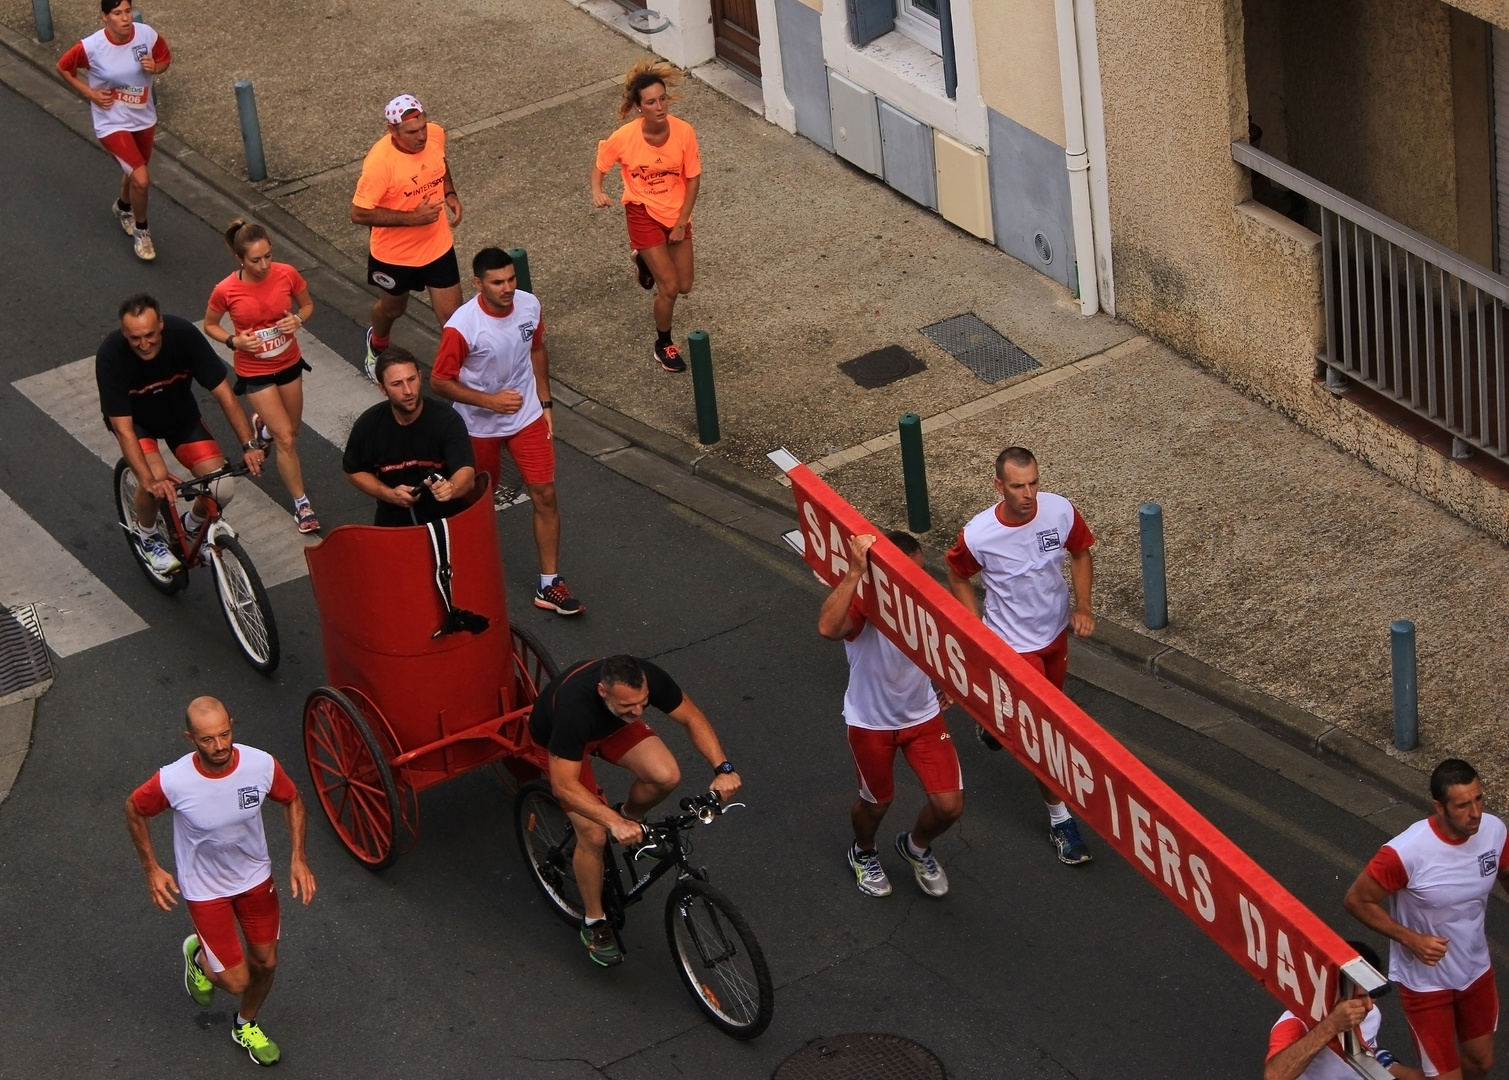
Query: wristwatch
(548,404)
(725,768)
(250,446)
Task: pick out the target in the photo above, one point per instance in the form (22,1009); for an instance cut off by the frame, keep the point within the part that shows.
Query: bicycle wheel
(244,603)
(125,513)
(548,841)
(718,958)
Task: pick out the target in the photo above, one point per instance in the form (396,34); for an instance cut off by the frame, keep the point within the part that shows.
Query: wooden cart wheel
(532,664)
(351,777)
(408,798)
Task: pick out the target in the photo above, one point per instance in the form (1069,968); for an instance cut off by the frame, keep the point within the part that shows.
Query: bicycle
(243,600)
(712,946)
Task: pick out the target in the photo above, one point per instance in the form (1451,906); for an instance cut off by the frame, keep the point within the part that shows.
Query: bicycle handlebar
(698,809)
(196,486)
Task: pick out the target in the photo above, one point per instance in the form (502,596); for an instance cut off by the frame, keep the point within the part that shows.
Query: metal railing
(1407,317)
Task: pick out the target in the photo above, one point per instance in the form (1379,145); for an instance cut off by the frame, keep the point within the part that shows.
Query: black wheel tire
(125,513)
(696,912)
(546,841)
(230,561)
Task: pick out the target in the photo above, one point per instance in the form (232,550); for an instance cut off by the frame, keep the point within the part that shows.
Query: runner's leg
(261,963)
(547,527)
(282,410)
(386,311)
(681,258)
(136,186)
(929,750)
(444,302)
(667,284)
(874,764)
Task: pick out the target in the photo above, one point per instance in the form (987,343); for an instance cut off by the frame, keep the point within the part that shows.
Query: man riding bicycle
(146,372)
(597,707)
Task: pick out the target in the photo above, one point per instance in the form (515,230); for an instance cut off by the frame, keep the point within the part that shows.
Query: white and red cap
(400,107)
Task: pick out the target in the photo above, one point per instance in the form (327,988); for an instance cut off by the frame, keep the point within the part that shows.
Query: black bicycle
(714,950)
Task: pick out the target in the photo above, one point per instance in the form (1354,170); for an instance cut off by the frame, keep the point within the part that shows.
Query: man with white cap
(408,199)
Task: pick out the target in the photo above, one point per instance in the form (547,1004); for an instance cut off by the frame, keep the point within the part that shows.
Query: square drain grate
(978,346)
(882,367)
(23,652)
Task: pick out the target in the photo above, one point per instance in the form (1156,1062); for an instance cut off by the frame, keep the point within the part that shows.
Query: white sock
(594,922)
(1058,813)
(913,848)
(547,580)
(240,1020)
(146,532)
(191,520)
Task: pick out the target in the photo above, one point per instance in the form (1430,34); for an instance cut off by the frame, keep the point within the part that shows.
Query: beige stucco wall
(1494,11)
(815,5)
(1222,279)
(1017,42)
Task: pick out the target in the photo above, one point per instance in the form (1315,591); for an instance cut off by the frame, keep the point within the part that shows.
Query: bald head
(203,712)
(207,725)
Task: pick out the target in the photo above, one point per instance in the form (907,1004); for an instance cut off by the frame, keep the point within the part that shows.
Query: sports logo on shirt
(1488,863)
(526,331)
(140,52)
(249,797)
(1048,540)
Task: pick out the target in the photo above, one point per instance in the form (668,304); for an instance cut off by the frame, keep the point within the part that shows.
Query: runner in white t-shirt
(1018,546)
(891,705)
(492,363)
(121,61)
(216,793)
(1427,892)
(1300,1050)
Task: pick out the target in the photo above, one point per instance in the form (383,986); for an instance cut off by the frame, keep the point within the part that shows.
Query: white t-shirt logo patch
(140,52)
(1488,863)
(1049,540)
(526,332)
(248,797)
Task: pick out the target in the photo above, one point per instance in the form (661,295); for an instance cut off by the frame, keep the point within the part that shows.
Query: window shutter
(868,19)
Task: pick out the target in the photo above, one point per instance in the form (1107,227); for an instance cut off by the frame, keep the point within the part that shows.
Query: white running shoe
(371,366)
(930,876)
(870,874)
(143,245)
(156,551)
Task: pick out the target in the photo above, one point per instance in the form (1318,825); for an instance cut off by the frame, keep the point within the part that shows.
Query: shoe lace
(558,592)
(671,352)
(251,1035)
(1069,830)
(869,865)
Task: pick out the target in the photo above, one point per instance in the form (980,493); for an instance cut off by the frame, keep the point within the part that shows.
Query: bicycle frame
(198,487)
(616,900)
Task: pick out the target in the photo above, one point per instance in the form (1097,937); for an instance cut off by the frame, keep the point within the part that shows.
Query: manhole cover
(24,662)
(980,347)
(862,1057)
(882,367)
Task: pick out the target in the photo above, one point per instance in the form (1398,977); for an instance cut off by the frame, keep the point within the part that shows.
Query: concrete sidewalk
(1288,558)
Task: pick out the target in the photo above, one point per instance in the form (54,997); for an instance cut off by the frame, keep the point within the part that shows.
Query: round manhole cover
(862,1057)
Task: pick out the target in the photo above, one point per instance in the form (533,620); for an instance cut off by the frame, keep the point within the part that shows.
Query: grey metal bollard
(1154,572)
(1406,688)
(41,13)
(251,130)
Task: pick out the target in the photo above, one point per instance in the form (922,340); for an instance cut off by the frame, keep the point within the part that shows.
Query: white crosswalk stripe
(335,393)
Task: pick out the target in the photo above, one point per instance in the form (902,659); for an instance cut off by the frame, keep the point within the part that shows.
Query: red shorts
(215,922)
(1053,661)
(928,748)
(644,231)
(532,450)
(1440,1019)
(190,447)
(133,149)
(612,749)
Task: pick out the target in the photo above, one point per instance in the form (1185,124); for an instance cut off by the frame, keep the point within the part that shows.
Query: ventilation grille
(24,661)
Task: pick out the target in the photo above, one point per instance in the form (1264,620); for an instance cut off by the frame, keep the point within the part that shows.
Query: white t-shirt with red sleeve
(486,351)
(886,692)
(219,846)
(117,68)
(1440,887)
(1328,1064)
(1022,568)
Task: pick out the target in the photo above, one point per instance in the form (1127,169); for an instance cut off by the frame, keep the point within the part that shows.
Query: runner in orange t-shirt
(407,197)
(661,169)
(268,303)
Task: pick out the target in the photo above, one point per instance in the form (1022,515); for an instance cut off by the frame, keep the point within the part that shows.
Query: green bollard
(702,388)
(520,259)
(919,518)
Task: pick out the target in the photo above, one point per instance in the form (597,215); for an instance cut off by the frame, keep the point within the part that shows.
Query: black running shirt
(157,394)
(402,455)
(570,715)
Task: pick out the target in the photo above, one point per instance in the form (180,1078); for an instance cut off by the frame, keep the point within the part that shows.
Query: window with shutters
(918,20)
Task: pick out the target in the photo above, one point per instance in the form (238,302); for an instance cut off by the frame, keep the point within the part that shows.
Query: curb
(341,283)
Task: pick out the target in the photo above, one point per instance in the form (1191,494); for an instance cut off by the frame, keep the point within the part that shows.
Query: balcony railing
(1407,317)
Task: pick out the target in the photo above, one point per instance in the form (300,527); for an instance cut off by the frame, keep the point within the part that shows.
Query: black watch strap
(725,767)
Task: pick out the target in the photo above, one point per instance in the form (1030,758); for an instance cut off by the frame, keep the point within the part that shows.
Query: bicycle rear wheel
(548,841)
(125,513)
(244,602)
(718,958)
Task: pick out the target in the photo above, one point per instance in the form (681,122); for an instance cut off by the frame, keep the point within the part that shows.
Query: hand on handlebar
(626,831)
(165,488)
(253,460)
(726,785)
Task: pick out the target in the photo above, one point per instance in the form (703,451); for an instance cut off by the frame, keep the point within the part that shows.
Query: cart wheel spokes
(351,778)
(532,664)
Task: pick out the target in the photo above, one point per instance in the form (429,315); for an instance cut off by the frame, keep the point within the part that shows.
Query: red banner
(1239,905)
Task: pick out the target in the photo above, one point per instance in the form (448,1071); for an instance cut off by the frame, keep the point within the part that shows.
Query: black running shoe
(669,357)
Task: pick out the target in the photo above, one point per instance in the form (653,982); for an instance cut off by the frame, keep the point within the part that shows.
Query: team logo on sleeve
(1048,540)
(1488,863)
(526,331)
(249,797)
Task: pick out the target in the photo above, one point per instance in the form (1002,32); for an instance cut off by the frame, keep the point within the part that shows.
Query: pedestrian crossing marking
(335,393)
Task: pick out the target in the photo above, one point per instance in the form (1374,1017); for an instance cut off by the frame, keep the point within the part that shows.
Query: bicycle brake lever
(734,806)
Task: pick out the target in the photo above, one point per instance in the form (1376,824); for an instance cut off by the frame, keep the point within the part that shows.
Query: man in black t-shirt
(597,707)
(146,371)
(410,453)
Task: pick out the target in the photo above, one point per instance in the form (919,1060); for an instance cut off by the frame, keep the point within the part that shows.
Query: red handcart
(407,709)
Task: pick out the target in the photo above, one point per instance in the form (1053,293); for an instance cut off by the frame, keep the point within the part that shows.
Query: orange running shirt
(653,175)
(394,180)
(256,307)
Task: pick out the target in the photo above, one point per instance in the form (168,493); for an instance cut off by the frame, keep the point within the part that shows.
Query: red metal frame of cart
(405,710)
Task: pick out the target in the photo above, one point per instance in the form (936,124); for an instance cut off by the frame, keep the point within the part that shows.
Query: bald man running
(216,793)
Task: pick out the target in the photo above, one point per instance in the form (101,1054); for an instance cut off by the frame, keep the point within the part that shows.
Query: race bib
(133,97)
(270,342)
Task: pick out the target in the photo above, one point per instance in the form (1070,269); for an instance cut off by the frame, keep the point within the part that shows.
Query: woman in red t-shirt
(661,168)
(261,299)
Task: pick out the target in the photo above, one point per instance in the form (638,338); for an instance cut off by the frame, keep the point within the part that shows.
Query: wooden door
(736,35)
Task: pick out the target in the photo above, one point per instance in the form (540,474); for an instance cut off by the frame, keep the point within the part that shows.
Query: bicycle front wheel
(244,603)
(718,958)
(548,842)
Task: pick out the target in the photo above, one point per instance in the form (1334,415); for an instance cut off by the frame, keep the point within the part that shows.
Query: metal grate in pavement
(980,347)
(24,661)
(862,1057)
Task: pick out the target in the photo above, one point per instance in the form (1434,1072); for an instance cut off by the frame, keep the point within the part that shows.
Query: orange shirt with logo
(394,180)
(655,176)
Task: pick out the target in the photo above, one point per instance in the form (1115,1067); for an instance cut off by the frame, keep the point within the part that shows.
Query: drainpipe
(1077,157)
(1095,142)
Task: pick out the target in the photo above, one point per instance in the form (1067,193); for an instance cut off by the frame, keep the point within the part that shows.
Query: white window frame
(921,26)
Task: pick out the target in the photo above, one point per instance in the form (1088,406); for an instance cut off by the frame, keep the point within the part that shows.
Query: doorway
(736,35)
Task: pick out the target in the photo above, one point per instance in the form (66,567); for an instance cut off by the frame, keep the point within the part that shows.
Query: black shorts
(190,444)
(443,273)
(250,384)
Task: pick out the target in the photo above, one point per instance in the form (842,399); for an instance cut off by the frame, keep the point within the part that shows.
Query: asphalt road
(447,964)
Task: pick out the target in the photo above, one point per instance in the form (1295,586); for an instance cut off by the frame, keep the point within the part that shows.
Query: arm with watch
(725,780)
